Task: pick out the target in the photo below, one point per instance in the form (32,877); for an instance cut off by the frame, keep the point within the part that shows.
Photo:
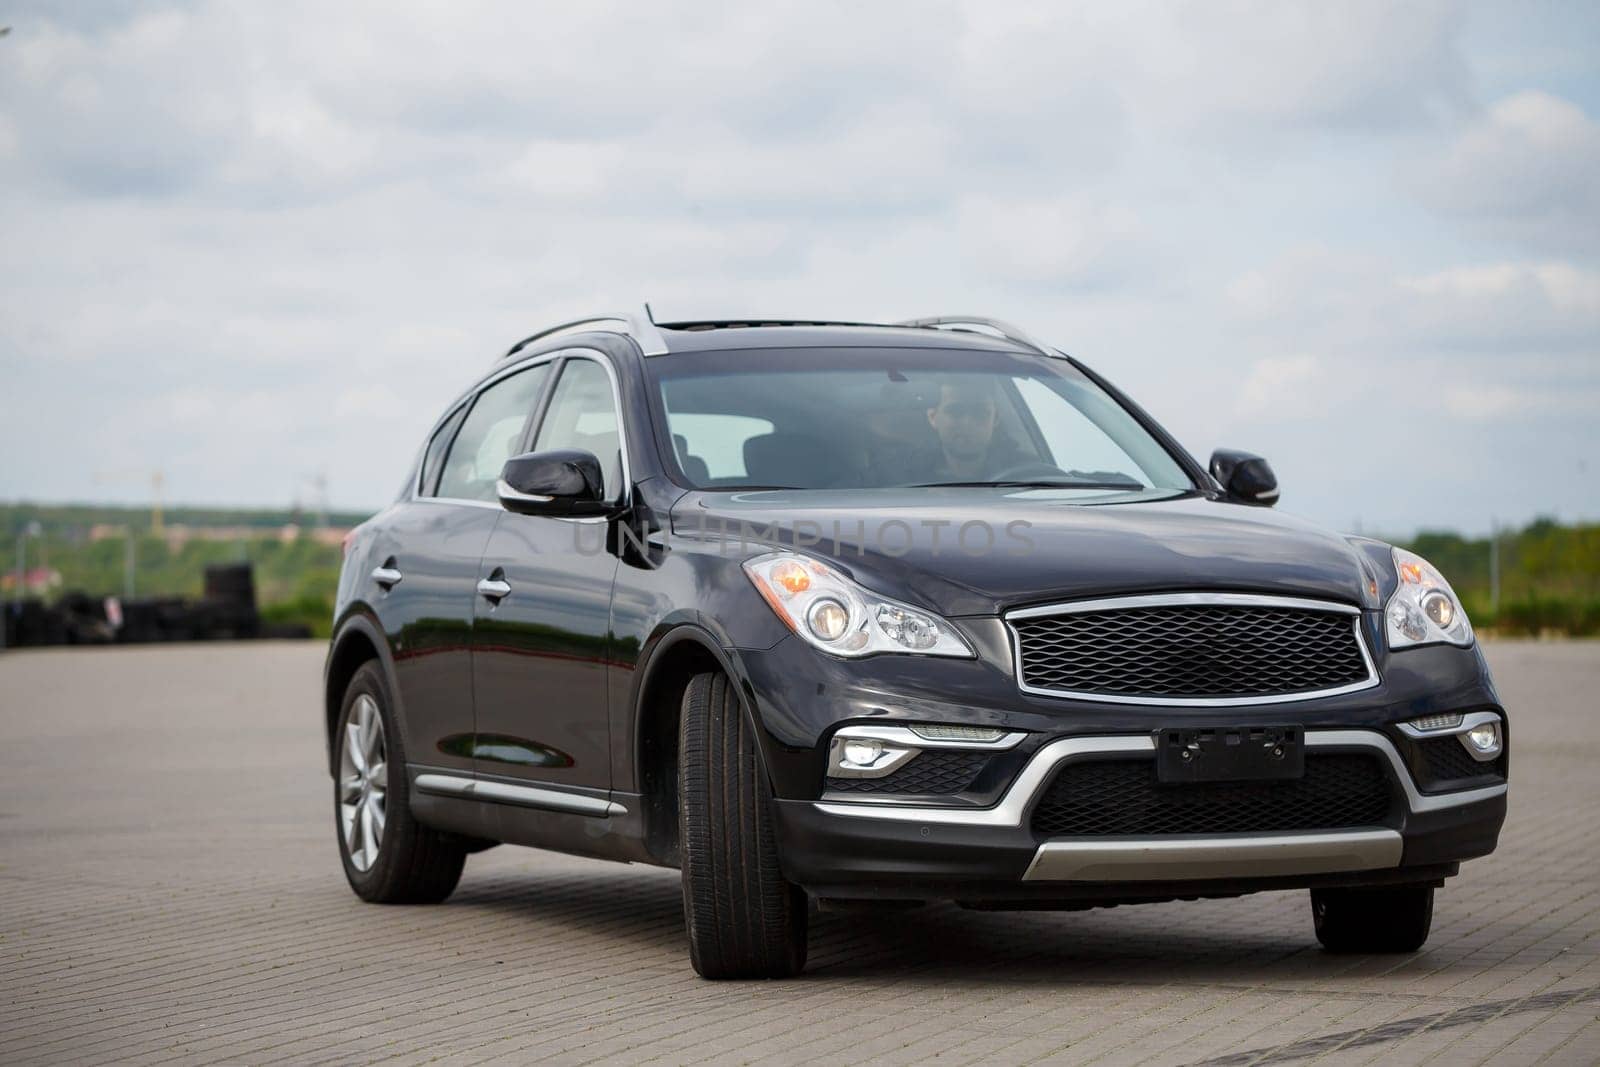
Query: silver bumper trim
(1214,856)
(1013,806)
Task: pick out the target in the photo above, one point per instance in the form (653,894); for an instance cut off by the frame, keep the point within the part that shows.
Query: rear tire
(411,864)
(1379,919)
(744,920)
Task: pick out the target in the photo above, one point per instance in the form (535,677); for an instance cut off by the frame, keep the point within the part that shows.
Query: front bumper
(866,849)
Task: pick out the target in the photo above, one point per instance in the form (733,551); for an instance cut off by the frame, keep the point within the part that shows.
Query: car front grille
(936,772)
(1191,651)
(1111,797)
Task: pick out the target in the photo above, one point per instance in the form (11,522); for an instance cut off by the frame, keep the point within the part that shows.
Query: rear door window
(490,435)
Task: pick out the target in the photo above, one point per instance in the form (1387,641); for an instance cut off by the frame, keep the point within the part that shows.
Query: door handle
(387,576)
(493,588)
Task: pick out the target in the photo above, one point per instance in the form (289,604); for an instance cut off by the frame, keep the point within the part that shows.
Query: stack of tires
(32,622)
(228,609)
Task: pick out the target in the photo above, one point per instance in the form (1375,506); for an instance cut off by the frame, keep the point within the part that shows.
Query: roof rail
(1004,329)
(700,325)
(641,328)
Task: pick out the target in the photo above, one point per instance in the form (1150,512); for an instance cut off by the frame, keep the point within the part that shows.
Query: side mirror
(1245,477)
(563,482)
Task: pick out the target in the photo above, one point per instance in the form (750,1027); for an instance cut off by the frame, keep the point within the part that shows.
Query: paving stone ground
(170,891)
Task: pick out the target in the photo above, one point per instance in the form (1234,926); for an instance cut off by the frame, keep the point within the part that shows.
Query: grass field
(1549,573)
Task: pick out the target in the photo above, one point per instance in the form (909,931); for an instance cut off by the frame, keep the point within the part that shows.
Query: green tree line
(1549,576)
(1549,573)
(295,576)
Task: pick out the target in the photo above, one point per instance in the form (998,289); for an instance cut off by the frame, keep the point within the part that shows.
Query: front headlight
(1424,609)
(836,615)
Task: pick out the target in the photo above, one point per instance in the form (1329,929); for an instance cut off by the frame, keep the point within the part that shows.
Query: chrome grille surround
(1190,600)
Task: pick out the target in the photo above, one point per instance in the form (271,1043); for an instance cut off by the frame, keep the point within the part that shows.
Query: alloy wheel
(363,783)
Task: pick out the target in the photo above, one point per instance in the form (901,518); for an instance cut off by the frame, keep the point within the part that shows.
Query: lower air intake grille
(1191,651)
(1446,759)
(1109,797)
(936,772)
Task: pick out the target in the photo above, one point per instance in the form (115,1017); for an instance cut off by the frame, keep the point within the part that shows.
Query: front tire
(1380,919)
(744,920)
(389,857)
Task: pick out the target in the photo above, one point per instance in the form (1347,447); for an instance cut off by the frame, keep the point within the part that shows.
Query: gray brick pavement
(169,891)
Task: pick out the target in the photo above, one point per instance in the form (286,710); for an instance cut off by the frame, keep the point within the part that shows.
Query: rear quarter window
(433,458)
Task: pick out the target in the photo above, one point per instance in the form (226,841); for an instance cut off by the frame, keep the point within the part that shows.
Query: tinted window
(702,440)
(433,458)
(881,418)
(490,434)
(583,414)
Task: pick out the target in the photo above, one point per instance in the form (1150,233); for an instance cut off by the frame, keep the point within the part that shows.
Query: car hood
(979,551)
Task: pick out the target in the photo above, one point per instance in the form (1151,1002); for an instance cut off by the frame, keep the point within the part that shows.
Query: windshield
(892,417)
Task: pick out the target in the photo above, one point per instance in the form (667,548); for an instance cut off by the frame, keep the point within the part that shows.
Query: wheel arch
(356,641)
(672,659)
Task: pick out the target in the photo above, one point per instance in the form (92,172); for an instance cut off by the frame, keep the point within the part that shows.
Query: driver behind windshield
(964,417)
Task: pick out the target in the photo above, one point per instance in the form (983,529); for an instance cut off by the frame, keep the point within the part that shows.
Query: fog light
(862,751)
(1484,739)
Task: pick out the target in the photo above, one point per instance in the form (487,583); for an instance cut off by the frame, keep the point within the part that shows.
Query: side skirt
(583,822)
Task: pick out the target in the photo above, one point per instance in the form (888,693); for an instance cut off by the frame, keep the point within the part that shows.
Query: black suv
(888,613)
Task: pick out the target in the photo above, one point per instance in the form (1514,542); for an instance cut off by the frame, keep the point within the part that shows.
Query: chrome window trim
(594,355)
(544,797)
(458,501)
(1158,600)
(530,362)
(469,394)
(1014,805)
(458,407)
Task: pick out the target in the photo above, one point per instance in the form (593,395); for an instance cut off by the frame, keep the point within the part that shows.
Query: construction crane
(311,495)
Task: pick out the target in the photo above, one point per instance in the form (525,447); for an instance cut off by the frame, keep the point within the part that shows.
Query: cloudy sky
(249,244)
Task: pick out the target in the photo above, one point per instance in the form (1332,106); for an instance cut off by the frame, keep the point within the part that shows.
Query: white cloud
(1365,65)
(1526,170)
(1283,386)
(1363,304)
(1521,306)
(1490,402)
(1064,241)
(280,237)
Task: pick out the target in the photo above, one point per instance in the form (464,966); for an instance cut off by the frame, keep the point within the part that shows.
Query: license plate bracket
(1230,753)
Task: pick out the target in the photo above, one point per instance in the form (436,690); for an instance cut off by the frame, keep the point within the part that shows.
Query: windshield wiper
(747,488)
(1057,483)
